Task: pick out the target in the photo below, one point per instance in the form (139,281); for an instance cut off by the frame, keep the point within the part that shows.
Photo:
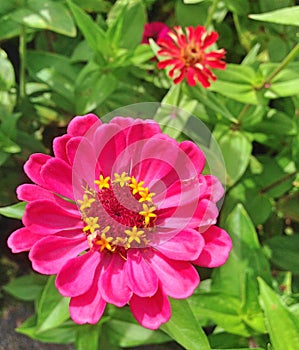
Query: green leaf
(93,87)
(27,287)
(64,334)
(126,21)
(88,336)
(184,328)
(15,211)
(47,14)
(7,74)
(123,330)
(56,71)
(237,277)
(52,308)
(236,82)
(94,35)
(288,205)
(224,310)
(281,323)
(288,16)
(284,251)
(236,151)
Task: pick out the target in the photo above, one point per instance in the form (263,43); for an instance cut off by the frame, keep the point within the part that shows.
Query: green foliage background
(63,58)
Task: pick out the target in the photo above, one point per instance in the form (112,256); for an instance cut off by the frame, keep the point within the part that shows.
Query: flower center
(119,215)
(191,55)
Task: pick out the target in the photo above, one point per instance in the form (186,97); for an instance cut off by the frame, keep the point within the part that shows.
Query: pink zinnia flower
(186,53)
(121,213)
(154,30)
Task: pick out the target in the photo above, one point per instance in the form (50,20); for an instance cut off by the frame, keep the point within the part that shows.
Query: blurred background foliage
(61,58)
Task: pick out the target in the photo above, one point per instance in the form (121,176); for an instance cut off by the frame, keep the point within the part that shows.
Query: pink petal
(50,253)
(22,240)
(57,176)
(109,143)
(59,147)
(113,283)
(186,245)
(45,217)
(215,190)
(33,167)
(191,76)
(30,193)
(196,156)
(151,312)
(77,275)
(178,278)
(142,280)
(88,307)
(142,130)
(80,125)
(217,247)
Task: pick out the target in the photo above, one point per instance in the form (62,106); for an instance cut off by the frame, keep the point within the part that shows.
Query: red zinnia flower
(154,30)
(186,52)
(121,213)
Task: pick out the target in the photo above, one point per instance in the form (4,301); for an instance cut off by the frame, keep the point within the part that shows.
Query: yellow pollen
(86,202)
(103,182)
(136,186)
(121,179)
(92,224)
(134,234)
(147,212)
(90,238)
(146,195)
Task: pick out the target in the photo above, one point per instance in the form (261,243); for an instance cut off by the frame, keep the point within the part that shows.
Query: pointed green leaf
(288,16)
(27,287)
(281,323)
(94,35)
(15,211)
(184,328)
(47,14)
(52,308)
(236,150)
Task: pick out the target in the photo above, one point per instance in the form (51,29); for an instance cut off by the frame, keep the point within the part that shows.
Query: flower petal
(217,247)
(59,147)
(80,125)
(57,176)
(30,193)
(142,280)
(22,240)
(178,278)
(33,167)
(76,276)
(50,253)
(113,283)
(45,217)
(151,312)
(196,156)
(88,307)
(186,245)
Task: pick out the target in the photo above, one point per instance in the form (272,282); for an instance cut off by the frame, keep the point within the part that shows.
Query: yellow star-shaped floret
(147,212)
(92,224)
(86,202)
(134,234)
(103,182)
(121,179)
(145,195)
(136,186)
(104,241)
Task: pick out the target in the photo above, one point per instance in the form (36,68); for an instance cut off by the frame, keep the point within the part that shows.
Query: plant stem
(211,12)
(278,182)
(243,112)
(292,54)
(22,53)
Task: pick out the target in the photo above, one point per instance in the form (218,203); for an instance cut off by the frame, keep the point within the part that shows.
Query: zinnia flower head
(154,30)
(121,213)
(186,52)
